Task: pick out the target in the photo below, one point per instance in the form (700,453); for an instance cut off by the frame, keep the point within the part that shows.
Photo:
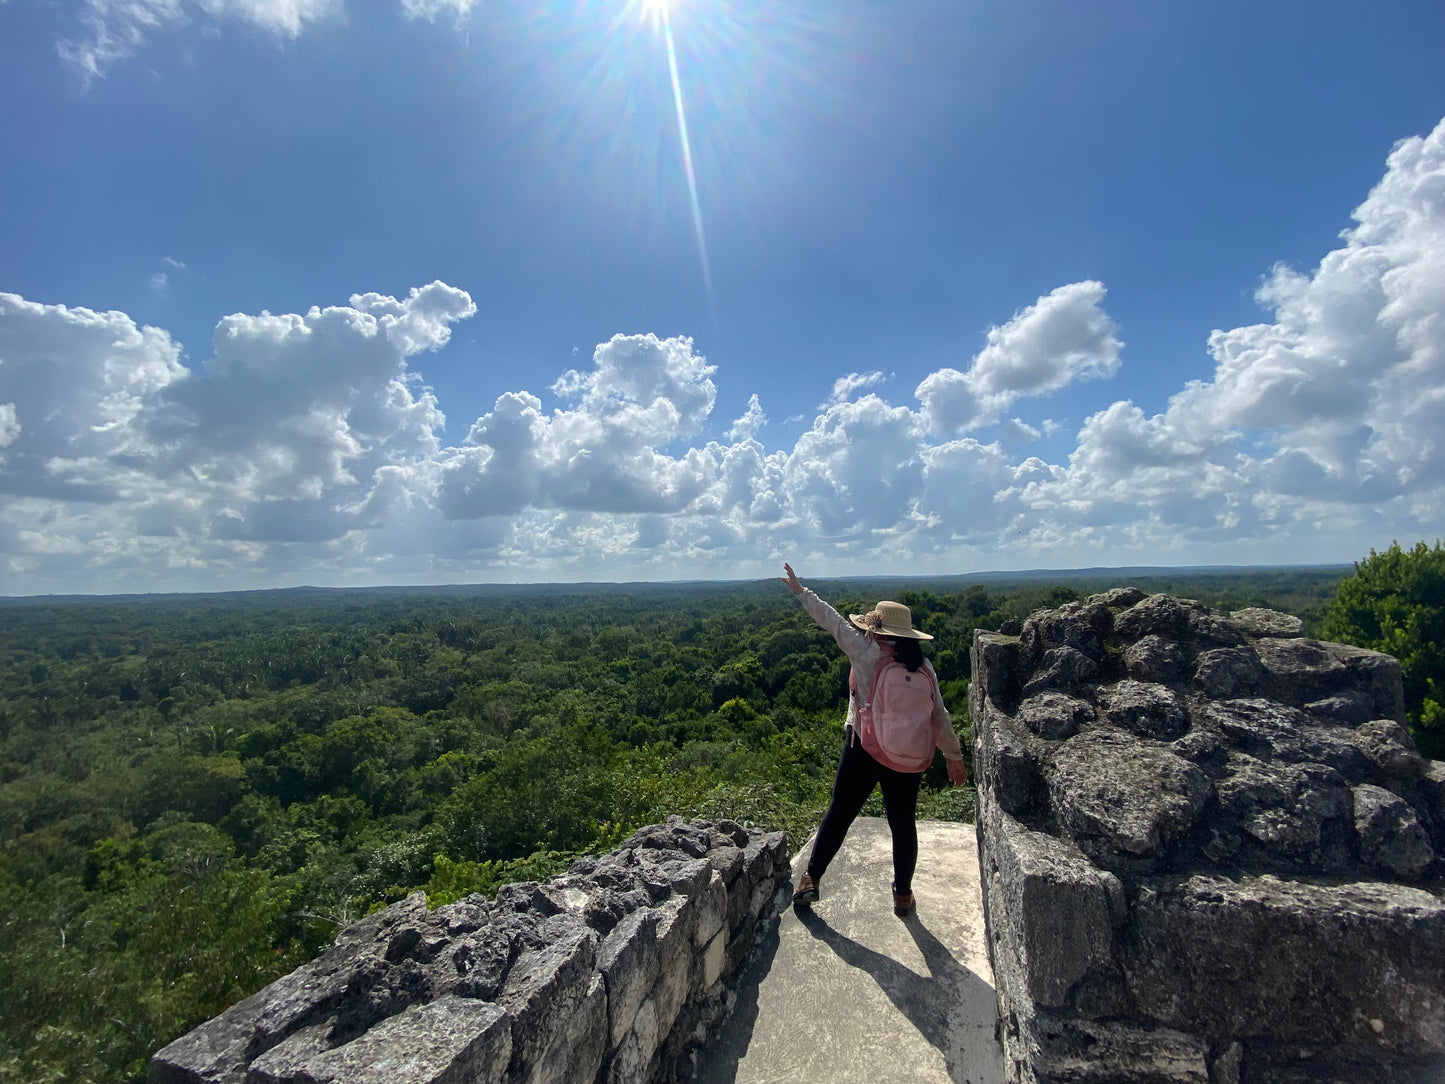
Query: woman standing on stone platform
(885,633)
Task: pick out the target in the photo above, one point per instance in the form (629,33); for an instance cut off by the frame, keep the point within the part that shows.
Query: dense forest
(196,792)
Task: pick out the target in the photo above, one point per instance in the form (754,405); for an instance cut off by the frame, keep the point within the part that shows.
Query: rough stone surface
(582,978)
(1388,746)
(629,962)
(1063,667)
(1348,708)
(1154,658)
(1157,615)
(1228,671)
(1060,926)
(1148,709)
(1284,808)
(1098,1052)
(1302,962)
(1209,850)
(1115,794)
(449,1041)
(1054,715)
(1259,622)
(1391,838)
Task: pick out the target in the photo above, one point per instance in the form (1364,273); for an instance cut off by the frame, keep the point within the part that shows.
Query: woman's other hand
(957,772)
(791,579)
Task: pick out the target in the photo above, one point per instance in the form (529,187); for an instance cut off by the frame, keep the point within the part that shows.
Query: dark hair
(908,651)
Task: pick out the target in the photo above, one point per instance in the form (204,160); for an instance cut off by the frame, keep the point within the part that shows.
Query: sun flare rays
(663,9)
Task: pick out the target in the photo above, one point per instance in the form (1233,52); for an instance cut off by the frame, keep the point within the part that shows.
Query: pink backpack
(896,722)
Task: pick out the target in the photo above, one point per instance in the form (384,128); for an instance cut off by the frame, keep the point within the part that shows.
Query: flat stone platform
(848,992)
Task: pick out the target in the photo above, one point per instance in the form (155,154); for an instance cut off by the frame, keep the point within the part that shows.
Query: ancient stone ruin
(611,972)
(1210,851)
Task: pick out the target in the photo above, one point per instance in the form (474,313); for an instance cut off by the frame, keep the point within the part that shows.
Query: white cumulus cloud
(846,387)
(1323,422)
(1063,337)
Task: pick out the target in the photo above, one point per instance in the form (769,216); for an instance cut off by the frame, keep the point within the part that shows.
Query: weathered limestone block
(714,957)
(675,835)
(577,1055)
(664,875)
(1157,615)
(758,900)
(1269,730)
(996,663)
(1054,716)
(629,961)
(285,1062)
(1256,621)
(450,1041)
(1203,749)
(1154,659)
(217,1052)
(1113,792)
(1300,962)
(1209,629)
(727,859)
(544,988)
(674,943)
(360,981)
(1430,798)
(1052,919)
(1283,807)
(1018,768)
(572,980)
(1119,598)
(1377,676)
(1348,707)
(1254,794)
(1100,1052)
(1391,837)
(1228,671)
(1388,746)
(1065,627)
(765,857)
(712,909)
(1297,669)
(1063,667)
(1148,709)
(631,1058)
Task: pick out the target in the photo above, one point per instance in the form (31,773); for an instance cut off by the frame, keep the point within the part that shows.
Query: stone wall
(608,973)
(1209,848)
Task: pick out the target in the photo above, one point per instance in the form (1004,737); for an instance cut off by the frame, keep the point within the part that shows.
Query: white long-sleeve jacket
(864,653)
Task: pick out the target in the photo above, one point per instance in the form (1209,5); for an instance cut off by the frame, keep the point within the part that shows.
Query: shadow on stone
(926,1002)
(724,1057)
(849,994)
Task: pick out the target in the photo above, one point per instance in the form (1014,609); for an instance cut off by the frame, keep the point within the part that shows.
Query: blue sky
(968,258)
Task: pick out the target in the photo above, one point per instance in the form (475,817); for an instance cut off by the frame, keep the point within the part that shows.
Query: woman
(885,633)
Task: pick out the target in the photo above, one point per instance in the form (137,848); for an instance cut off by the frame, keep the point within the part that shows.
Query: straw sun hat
(889,619)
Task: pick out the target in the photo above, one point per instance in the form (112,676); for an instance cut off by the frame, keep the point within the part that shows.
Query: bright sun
(657,9)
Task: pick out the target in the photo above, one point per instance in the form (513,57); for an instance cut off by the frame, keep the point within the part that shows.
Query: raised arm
(854,641)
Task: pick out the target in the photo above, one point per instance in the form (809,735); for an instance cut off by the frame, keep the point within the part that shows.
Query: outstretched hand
(791,579)
(957,772)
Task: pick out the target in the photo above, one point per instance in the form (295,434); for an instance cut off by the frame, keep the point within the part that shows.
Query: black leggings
(858,774)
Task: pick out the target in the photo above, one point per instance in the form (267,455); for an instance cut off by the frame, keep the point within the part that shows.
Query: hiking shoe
(903,903)
(807,891)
